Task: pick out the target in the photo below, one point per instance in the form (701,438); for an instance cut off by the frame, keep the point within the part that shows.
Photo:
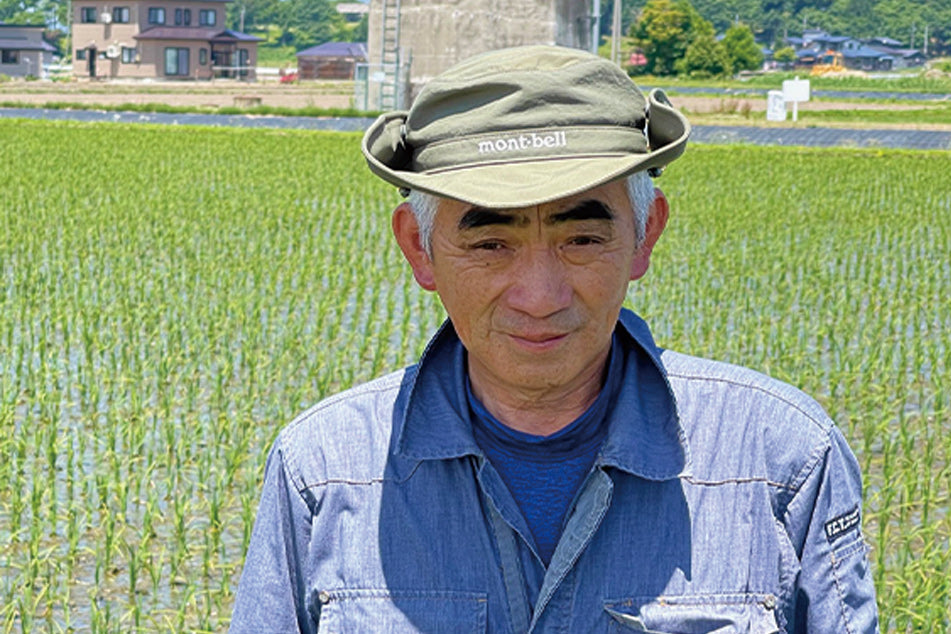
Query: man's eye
(584,240)
(488,245)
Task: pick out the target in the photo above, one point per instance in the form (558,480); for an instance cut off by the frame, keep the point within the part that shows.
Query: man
(546,467)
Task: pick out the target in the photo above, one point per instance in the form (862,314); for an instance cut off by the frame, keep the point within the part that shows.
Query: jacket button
(323,597)
(769,602)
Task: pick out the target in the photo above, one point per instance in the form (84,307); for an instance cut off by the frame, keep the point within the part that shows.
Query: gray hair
(640,191)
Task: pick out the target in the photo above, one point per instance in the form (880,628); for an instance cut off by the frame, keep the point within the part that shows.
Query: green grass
(738,111)
(940,115)
(276,56)
(172,297)
(309,111)
(908,82)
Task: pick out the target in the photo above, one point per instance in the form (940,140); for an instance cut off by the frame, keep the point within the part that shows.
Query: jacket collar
(644,438)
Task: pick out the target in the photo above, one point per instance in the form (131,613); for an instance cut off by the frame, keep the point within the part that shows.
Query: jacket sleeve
(835,592)
(270,594)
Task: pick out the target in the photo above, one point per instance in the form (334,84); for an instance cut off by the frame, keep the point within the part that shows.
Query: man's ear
(406,230)
(656,221)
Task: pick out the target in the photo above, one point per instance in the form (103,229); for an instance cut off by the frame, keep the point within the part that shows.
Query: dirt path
(213,94)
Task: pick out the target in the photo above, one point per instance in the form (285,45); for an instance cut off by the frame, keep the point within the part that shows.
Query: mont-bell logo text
(839,526)
(532,140)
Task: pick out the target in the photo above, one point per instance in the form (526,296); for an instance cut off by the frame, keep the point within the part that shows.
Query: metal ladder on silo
(390,58)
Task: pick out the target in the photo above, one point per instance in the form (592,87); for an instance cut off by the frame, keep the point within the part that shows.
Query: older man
(546,467)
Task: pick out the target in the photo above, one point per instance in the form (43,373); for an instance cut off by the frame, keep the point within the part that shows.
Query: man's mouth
(539,341)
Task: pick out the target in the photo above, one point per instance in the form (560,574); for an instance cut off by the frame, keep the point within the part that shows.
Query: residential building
(903,57)
(23,51)
(168,39)
(875,54)
(331,60)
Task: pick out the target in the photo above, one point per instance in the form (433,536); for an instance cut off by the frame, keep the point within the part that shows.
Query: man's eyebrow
(585,210)
(480,217)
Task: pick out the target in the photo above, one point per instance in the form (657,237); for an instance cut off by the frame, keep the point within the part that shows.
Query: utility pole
(595,25)
(616,33)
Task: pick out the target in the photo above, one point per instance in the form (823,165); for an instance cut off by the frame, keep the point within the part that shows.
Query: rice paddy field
(170,297)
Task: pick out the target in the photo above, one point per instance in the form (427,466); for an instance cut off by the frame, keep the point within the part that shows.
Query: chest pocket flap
(707,614)
(400,612)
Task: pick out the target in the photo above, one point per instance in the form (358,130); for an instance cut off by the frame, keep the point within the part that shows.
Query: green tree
(786,55)
(359,31)
(305,23)
(665,30)
(742,49)
(14,12)
(705,57)
(725,13)
(256,13)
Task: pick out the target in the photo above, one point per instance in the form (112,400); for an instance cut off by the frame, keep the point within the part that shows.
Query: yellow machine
(830,62)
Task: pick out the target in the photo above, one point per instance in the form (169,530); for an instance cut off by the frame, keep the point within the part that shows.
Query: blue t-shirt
(544,473)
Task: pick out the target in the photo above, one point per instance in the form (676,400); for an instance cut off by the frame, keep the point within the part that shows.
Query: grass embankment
(863,114)
(906,81)
(172,297)
(729,111)
(310,111)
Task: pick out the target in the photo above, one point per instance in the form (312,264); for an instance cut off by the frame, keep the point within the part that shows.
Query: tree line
(921,24)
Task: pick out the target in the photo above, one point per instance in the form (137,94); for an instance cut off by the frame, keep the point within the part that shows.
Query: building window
(80,55)
(156,15)
(87,15)
(203,56)
(188,17)
(8,56)
(176,61)
(128,55)
(178,17)
(206,17)
(120,15)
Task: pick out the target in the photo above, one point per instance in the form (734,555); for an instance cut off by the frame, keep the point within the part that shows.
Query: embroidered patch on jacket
(839,526)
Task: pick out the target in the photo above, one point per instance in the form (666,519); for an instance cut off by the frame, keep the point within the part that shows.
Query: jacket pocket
(400,612)
(701,614)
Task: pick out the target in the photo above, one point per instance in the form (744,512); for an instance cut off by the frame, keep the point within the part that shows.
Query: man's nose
(540,284)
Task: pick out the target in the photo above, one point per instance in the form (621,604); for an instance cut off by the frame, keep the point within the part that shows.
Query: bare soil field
(709,110)
(214,94)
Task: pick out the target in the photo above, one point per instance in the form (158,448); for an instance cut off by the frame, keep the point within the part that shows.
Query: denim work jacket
(721,501)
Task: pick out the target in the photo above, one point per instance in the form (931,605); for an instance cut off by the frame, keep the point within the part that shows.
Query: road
(811,137)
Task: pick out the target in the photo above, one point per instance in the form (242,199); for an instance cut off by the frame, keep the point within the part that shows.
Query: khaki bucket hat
(522,126)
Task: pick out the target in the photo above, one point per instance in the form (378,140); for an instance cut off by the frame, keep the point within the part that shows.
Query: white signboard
(775,106)
(796,89)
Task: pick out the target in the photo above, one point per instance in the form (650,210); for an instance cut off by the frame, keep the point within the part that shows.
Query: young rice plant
(171,297)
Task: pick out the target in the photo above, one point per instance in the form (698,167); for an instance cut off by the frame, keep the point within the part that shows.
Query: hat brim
(527,182)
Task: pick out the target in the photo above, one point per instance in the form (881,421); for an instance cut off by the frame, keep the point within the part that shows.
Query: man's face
(534,293)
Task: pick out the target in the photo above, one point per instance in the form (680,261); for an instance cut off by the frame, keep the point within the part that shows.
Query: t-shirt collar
(644,437)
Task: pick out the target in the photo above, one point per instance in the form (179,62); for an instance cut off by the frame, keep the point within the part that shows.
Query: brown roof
(25,45)
(177,33)
(194,33)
